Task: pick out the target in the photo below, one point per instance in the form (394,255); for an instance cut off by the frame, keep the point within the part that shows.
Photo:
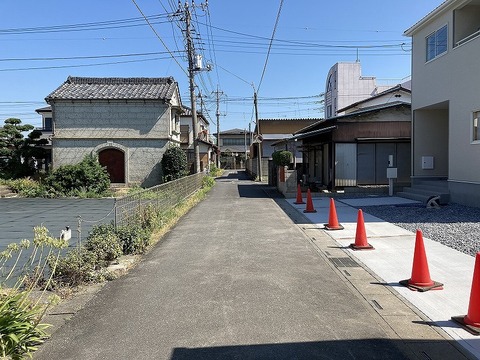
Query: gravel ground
(453,225)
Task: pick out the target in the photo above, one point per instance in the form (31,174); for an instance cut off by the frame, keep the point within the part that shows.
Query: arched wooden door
(114,161)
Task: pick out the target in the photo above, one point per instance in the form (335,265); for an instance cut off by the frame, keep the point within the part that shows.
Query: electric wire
(82,65)
(93,26)
(159,37)
(270,45)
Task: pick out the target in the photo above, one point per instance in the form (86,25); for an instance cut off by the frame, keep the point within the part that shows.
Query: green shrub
(134,238)
(149,217)
(208,182)
(174,163)
(105,244)
(86,177)
(76,268)
(215,171)
(26,187)
(20,331)
(282,158)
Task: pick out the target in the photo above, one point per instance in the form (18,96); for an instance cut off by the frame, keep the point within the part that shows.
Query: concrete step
(413,196)
(6,192)
(432,187)
(424,190)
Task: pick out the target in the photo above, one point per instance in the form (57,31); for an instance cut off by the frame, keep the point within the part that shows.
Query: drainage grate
(344,262)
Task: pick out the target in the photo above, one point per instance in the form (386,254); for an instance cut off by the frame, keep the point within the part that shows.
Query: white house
(445,98)
(396,94)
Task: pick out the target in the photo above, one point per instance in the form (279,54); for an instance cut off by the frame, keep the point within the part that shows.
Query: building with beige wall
(445,100)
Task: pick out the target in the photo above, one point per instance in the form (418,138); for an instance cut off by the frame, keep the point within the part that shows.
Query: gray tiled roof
(87,88)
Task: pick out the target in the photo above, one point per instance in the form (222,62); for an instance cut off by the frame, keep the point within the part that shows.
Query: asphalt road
(235,279)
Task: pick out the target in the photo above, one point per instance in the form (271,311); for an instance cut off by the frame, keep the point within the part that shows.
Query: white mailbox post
(391,174)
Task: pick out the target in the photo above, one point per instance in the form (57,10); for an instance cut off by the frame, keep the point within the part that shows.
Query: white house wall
(452,77)
(188,122)
(433,141)
(384,99)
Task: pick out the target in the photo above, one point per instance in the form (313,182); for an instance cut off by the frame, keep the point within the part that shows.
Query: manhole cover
(344,262)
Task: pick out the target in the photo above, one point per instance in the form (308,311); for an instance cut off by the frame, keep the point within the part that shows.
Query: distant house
(397,93)
(234,147)
(354,149)
(128,122)
(46,130)
(268,132)
(445,100)
(207,148)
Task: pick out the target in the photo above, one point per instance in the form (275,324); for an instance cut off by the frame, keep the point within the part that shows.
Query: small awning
(384,139)
(313,133)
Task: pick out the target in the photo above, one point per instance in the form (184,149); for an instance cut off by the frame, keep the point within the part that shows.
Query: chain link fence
(162,198)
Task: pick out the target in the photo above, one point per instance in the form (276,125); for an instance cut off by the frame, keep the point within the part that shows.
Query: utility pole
(191,77)
(259,162)
(217,113)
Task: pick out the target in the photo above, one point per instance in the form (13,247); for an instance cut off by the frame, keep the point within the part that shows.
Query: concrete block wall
(141,129)
(142,156)
(114,119)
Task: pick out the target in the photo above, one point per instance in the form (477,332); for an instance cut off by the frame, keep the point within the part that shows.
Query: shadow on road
(343,349)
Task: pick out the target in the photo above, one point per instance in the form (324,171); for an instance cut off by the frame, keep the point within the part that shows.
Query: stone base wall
(142,156)
(286,183)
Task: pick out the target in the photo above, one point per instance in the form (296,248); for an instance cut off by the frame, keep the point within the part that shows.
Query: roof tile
(89,88)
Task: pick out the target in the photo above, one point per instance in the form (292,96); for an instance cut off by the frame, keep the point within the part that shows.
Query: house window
(329,111)
(476,126)
(185,134)
(47,125)
(235,141)
(437,43)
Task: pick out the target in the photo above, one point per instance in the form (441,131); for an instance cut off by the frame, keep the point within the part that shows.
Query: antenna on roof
(358,59)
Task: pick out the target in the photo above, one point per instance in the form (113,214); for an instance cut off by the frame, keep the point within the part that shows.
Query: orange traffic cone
(471,321)
(420,279)
(299,196)
(332,218)
(361,235)
(309,208)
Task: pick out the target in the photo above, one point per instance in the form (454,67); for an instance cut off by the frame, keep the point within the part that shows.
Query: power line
(101,25)
(81,65)
(210,39)
(86,57)
(158,36)
(313,44)
(270,45)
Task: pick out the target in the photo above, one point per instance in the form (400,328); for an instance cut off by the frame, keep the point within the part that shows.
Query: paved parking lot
(18,217)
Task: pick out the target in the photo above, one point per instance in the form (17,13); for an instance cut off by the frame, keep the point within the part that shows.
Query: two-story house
(234,147)
(46,130)
(445,98)
(128,122)
(207,148)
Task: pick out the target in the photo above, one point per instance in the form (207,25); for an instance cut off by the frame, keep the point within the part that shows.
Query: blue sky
(43,42)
